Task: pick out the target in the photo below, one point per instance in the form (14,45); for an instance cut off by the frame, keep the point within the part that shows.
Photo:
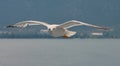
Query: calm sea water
(59,52)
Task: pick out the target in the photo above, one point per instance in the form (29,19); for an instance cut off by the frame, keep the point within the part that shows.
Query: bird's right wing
(73,23)
(26,23)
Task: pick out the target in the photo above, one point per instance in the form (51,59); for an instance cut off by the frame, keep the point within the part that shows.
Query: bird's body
(57,30)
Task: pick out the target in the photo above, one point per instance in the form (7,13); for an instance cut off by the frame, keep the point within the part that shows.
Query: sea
(59,52)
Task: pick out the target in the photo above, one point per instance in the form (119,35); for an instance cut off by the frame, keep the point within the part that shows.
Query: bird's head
(49,29)
(52,27)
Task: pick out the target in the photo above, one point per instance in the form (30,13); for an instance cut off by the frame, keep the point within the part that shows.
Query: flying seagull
(56,30)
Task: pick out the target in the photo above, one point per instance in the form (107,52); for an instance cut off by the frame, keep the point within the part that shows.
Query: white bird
(57,30)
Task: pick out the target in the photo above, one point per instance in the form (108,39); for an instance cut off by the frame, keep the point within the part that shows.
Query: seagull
(56,30)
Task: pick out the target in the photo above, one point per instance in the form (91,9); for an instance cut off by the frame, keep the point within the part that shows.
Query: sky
(102,12)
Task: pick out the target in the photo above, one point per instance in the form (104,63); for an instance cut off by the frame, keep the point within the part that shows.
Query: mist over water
(59,52)
(38,32)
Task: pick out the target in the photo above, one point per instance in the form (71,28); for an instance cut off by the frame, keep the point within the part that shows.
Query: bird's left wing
(73,23)
(26,23)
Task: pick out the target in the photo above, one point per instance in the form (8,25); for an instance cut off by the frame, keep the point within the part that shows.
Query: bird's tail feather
(70,33)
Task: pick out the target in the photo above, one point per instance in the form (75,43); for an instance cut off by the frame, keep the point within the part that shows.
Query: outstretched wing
(26,23)
(73,23)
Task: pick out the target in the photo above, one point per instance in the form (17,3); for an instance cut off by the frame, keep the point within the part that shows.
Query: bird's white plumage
(57,30)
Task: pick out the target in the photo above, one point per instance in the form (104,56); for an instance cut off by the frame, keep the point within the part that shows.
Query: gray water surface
(59,52)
